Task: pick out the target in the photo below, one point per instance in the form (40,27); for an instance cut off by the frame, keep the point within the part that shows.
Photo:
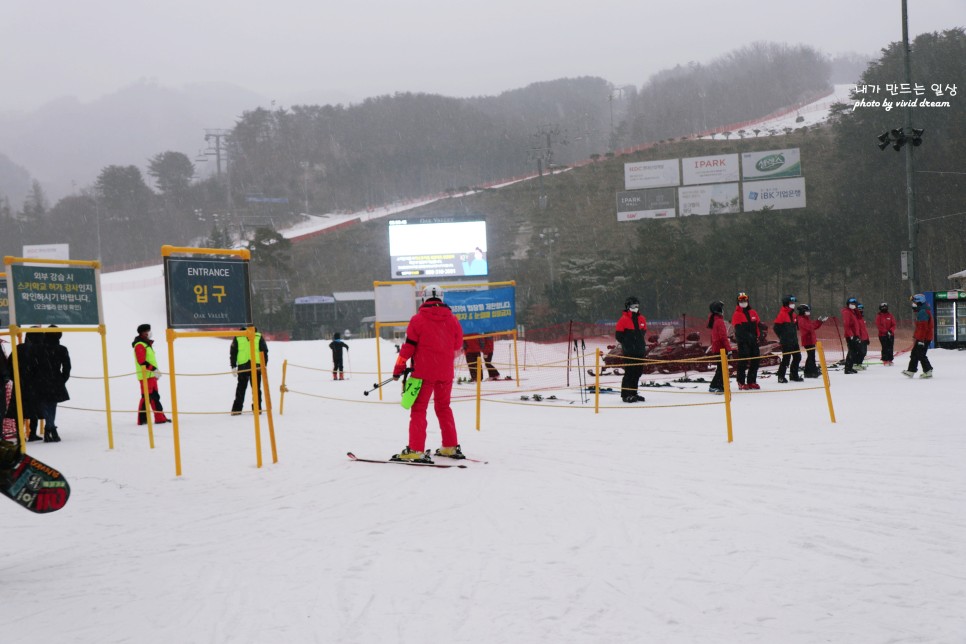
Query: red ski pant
(155,398)
(440,390)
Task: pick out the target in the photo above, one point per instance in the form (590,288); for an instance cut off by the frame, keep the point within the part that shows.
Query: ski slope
(638,524)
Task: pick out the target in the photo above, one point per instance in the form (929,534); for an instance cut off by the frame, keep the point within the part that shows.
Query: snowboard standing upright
(34,485)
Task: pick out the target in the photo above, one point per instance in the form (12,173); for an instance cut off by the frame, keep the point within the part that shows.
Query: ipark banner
(719,199)
(651,174)
(655,203)
(779,194)
(489,311)
(721,168)
(772,164)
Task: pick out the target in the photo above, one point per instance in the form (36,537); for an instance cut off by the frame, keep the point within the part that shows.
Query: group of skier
(795,329)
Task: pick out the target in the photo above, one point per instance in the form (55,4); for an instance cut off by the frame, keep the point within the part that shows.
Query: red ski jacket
(849,325)
(719,336)
(863,329)
(433,338)
(807,327)
(923,332)
(746,325)
(885,323)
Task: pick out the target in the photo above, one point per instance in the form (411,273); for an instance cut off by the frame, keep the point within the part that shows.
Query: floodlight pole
(910,187)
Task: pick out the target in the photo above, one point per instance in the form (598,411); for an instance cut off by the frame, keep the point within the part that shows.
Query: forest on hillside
(574,261)
(577,259)
(275,164)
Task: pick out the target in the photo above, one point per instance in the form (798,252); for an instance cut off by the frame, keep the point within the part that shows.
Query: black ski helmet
(788,299)
(631,301)
(884,307)
(716,307)
(851,300)
(803,308)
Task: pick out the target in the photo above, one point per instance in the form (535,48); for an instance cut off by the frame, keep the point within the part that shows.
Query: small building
(321,316)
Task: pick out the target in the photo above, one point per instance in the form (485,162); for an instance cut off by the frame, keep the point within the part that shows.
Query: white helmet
(431,291)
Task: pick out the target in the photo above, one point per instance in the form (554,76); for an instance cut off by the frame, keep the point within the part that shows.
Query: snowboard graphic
(34,485)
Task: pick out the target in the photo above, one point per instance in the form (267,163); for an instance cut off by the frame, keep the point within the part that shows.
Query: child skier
(337,346)
(786,328)
(719,341)
(885,324)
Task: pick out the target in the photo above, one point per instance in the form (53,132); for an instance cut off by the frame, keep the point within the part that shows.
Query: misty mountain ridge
(65,143)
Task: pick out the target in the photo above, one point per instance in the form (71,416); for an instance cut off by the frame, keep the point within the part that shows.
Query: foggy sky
(292,49)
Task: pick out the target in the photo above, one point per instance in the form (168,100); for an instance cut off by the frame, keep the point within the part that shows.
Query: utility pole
(305,183)
(220,138)
(910,187)
(541,150)
(619,91)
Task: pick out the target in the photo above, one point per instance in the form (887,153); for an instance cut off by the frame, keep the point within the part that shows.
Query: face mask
(150,336)
(852,306)
(635,308)
(743,305)
(791,305)
(807,313)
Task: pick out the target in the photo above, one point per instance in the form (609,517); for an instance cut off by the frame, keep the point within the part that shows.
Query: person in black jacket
(52,376)
(338,346)
(630,333)
(786,328)
(30,354)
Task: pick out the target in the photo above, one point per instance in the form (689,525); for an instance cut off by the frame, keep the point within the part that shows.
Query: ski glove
(921,344)
(234,371)
(157,374)
(399,368)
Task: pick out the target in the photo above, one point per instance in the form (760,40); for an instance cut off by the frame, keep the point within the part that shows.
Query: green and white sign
(773,164)
(207,293)
(53,295)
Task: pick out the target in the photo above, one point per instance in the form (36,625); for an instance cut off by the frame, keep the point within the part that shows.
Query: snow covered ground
(638,524)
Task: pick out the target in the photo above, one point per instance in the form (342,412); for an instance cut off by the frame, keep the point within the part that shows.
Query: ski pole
(376,385)
(385,382)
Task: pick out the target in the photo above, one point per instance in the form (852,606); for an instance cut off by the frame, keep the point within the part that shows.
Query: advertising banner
(207,293)
(655,203)
(777,194)
(773,164)
(651,174)
(53,295)
(487,311)
(719,199)
(717,169)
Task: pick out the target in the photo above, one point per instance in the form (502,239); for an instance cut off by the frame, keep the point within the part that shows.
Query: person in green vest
(147,369)
(240,355)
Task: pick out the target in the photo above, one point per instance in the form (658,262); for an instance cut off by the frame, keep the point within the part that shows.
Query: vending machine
(949,311)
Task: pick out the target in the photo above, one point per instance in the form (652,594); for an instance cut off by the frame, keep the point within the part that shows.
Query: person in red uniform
(786,328)
(885,324)
(806,329)
(850,327)
(433,339)
(747,327)
(476,347)
(863,337)
(922,336)
(719,341)
(630,332)
(147,369)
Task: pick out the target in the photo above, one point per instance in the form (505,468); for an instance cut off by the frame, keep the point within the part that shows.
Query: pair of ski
(415,463)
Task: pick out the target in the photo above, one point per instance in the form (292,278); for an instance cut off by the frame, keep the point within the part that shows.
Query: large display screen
(437,247)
